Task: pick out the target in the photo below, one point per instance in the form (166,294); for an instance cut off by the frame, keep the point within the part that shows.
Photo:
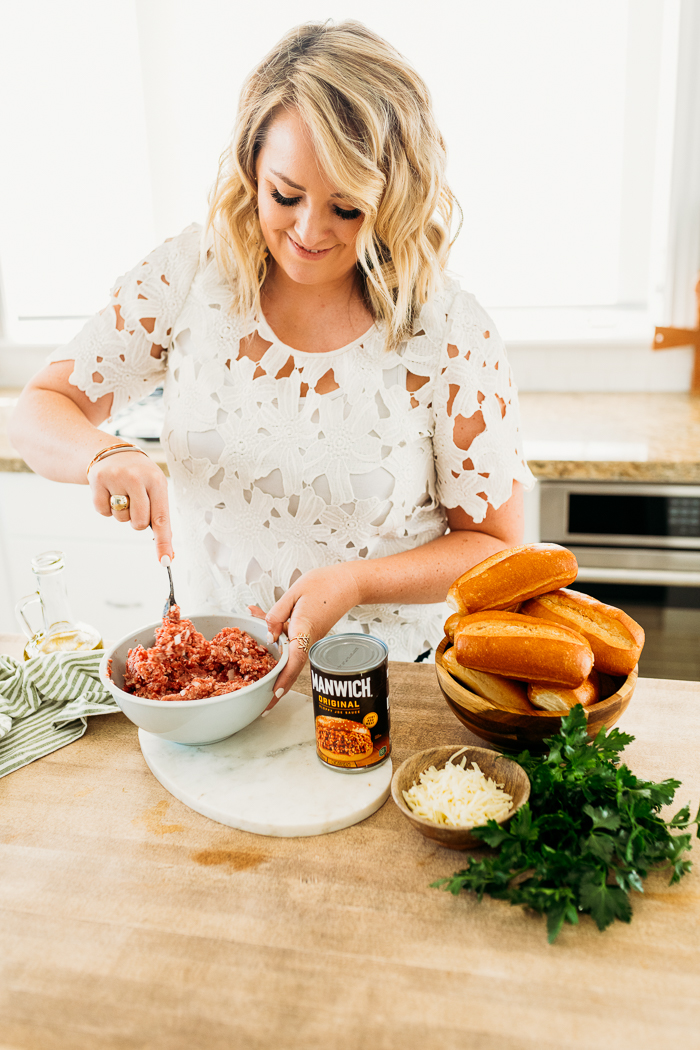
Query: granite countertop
(582,437)
(613,437)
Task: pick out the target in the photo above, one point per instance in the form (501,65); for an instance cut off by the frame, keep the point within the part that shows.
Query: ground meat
(183,665)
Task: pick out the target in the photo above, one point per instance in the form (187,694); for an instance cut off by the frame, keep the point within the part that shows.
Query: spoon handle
(170,601)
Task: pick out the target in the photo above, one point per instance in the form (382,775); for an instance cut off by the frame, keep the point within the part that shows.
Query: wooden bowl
(514,730)
(497,767)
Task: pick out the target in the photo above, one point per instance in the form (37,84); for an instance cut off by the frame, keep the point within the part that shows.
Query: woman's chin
(310,272)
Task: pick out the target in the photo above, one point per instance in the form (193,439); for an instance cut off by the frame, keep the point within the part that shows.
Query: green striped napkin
(45,703)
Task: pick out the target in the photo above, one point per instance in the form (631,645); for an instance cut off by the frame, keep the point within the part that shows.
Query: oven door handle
(658,577)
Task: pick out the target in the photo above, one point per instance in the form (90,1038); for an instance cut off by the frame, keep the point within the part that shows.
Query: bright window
(558,117)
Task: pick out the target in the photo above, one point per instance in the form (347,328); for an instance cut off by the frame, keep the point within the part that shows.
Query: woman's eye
(354,213)
(286,202)
(289,202)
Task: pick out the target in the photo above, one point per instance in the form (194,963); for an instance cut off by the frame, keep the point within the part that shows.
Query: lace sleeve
(123,349)
(474,381)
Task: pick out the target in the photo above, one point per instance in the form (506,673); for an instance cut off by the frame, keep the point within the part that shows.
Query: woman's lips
(304,253)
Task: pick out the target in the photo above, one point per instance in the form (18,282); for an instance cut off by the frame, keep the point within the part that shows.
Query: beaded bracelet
(112,450)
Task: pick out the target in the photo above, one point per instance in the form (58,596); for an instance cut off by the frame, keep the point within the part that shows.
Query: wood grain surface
(129,921)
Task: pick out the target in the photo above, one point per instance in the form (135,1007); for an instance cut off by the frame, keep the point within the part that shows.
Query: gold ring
(119,502)
(303,641)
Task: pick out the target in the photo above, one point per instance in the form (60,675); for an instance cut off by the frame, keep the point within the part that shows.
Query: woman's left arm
(319,598)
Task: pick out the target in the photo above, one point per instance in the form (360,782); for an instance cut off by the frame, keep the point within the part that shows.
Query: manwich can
(350,688)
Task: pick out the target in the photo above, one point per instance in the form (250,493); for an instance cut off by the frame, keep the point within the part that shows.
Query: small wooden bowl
(514,730)
(497,767)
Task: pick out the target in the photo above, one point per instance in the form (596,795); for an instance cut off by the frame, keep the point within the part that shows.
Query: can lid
(348,653)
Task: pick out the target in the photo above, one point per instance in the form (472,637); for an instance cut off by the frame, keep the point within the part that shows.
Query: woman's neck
(311,317)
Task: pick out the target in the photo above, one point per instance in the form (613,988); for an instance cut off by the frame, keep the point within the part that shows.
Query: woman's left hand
(314,604)
(311,607)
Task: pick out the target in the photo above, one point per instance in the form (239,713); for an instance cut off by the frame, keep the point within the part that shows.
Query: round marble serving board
(267,778)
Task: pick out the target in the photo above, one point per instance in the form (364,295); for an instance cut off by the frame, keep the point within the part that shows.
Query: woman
(341,428)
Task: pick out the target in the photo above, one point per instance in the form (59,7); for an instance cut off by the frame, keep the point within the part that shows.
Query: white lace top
(271,477)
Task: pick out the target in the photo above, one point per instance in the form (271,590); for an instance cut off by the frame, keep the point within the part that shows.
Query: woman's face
(308,226)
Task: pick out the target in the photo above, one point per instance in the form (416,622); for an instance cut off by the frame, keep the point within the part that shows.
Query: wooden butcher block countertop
(129,921)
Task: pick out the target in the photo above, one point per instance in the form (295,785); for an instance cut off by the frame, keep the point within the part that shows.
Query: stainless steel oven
(638,547)
(626,533)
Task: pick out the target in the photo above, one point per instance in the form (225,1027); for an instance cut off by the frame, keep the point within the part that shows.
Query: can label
(351,710)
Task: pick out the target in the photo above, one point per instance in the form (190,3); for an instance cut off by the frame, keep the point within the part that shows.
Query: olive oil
(60,633)
(75,637)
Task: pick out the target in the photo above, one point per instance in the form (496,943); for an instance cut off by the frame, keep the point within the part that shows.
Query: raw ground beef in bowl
(183,665)
(197,683)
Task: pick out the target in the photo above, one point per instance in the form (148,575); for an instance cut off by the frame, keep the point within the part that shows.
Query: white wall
(601,369)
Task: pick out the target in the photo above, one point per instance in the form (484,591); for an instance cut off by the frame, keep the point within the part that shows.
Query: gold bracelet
(111,450)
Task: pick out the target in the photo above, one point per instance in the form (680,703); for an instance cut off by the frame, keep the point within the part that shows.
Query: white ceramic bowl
(195,721)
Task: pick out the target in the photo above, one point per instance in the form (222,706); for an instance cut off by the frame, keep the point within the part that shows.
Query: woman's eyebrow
(296,186)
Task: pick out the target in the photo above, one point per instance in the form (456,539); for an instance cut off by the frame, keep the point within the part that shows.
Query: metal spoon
(170,601)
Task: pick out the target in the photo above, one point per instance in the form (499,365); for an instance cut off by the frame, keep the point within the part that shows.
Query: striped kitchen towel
(45,703)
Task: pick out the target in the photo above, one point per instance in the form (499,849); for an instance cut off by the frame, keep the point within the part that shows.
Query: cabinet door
(7,600)
(114,587)
(32,506)
(114,581)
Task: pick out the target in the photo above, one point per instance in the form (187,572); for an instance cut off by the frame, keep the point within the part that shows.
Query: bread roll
(450,624)
(502,692)
(615,638)
(512,576)
(452,621)
(523,647)
(556,698)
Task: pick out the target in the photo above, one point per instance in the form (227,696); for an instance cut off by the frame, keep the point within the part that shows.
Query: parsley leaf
(605,903)
(589,835)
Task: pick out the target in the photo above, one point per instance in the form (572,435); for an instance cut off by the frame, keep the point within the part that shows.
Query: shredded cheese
(458,797)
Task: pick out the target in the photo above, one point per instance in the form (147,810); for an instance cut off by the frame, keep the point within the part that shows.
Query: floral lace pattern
(273,478)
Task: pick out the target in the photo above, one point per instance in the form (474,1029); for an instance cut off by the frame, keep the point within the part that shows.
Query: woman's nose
(311,227)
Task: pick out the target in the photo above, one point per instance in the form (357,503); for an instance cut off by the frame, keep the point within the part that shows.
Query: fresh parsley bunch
(590,833)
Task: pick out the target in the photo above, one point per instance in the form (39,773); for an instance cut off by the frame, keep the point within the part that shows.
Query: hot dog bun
(452,621)
(555,698)
(450,624)
(502,692)
(523,647)
(615,638)
(512,576)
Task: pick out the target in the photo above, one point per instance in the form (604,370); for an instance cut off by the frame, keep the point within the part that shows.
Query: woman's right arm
(55,429)
(119,356)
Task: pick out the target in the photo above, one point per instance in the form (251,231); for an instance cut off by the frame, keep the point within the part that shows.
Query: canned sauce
(350,687)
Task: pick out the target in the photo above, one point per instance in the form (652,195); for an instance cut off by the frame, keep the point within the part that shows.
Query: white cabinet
(114,581)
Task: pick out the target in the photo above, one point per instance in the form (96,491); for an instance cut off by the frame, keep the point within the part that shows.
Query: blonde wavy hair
(371,122)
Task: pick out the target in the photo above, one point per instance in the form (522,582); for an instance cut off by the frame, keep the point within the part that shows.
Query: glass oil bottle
(60,633)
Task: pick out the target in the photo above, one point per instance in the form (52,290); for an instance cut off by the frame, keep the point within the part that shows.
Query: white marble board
(267,778)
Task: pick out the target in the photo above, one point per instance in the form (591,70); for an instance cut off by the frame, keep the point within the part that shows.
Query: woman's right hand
(55,427)
(138,477)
